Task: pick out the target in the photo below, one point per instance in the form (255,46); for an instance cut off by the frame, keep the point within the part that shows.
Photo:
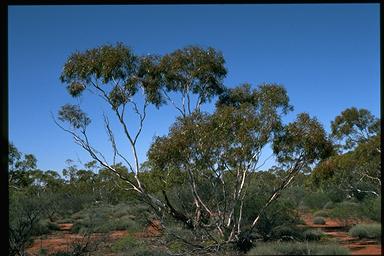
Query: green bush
(121,210)
(316,200)
(319,221)
(126,223)
(347,210)
(43,252)
(297,248)
(53,226)
(371,208)
(41,228)
(286,233)
(176,246)
(329,205)
(335,194)
(104,219)
(366,231)
(295,194)
(279,214)
(321,213)
(332,249)
(125,244)
(312,235)
(65,220)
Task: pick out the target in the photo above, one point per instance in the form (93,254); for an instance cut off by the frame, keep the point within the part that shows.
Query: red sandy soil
(153,229)
(369,250)
(62,240)
(65,226)
(329,223)
(357,246)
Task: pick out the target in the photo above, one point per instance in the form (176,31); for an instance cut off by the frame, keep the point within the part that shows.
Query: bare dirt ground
(63,239)
(335,229)
(338,230)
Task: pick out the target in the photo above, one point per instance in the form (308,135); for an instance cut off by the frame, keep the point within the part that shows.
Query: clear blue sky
(327,57)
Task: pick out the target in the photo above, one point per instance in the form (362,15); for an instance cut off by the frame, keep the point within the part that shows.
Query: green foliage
(53,226)
(316,200)
(41,228)
(25,214)
(312,234)
(319,220)
(21,168)
(355,126)
(333,250)
(286,233)
(43,252)
(346,210)
(304,139)
(130,245)
(189,70)
(297,248)
(296,192)
(74,116)
(321,213)
(127,243)
(106,218)
(371,208)
(335,194)
(194,69)
(279,220)
(355,173)
(329,205)
(366,231)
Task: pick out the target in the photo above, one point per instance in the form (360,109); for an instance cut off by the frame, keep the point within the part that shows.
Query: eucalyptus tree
(125,80)
(222,150)
(214,153)
(357,172)
(354,126)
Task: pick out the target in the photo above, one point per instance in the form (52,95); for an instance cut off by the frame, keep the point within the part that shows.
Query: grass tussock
(297,248)
(371,231)
(319,220)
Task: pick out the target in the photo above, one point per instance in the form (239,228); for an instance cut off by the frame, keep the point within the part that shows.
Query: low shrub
(126,244)
(121,210)
(41,228)
(312,235)
(316,200)
(329,205)
(335,194)
(346,210)
(65,220)
(280,214)
(371,208)
(53,226)
(126,223)
(297,248)
(332,249)
(176,246)
(319,221)
(43,252)
(372,231)
(321,213)
(286,233)
(103,219)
